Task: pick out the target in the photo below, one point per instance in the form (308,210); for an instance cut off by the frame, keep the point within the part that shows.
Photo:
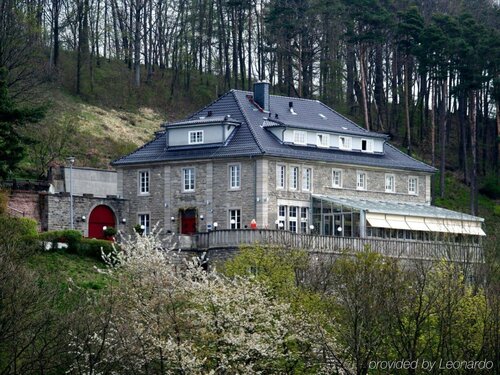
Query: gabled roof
(252,139)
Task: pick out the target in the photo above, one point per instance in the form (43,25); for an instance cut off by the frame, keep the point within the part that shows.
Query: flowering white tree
(159,319)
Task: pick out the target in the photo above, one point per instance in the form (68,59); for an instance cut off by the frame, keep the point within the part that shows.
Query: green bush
(91,247)
(491,187)
(18,226)
(70,237)
(4,199)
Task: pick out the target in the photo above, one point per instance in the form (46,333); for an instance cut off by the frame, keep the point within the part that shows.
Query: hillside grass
(70,275)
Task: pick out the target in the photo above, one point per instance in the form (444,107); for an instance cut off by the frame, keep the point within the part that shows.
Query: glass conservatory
(347,217)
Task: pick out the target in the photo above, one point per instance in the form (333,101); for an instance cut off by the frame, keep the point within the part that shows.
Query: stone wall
(56,213)
(212,197)
(258,197)
(322,184)
(26,203)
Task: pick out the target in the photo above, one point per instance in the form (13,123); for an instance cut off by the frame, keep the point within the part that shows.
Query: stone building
(95,201)
(286,163)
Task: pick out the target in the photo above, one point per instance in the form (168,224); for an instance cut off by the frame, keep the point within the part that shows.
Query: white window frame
(369,145)
(143,189)
(334,172)
(323,140)
(197,140)
(390,186)
(234,184)
(193,175)
(146,222)
(280,176)
(294,177)
(347,144)
(364,184)
(307,178)
(282,218)
(304,220)
(236,217)
(299,137)
(293,219)
(415,178)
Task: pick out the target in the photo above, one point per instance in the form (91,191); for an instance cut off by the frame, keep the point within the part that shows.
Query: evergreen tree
(11,117)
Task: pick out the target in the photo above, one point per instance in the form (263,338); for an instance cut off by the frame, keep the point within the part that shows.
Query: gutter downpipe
(254,187)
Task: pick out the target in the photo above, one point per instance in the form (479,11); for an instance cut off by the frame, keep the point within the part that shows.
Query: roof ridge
(281,96)
(256,139)
(411,157)
(211,103)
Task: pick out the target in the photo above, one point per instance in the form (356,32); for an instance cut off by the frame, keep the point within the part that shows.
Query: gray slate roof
(252,139)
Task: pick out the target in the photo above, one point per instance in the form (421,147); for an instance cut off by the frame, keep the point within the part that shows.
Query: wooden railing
(427,250)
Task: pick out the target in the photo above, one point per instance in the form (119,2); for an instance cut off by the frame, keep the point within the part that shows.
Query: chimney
(261,95)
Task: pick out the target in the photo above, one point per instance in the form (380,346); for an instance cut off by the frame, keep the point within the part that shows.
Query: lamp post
(71,161)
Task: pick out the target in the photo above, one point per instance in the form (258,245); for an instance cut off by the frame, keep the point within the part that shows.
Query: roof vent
(276,115)
(210,113)
(322,116)
(261,95)
(292,111)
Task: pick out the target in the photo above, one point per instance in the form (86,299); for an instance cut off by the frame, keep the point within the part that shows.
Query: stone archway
(101,216)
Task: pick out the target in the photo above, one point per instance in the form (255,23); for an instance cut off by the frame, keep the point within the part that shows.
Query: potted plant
(109,233)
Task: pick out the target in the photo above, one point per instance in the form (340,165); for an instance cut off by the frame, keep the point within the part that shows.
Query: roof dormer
(204,131)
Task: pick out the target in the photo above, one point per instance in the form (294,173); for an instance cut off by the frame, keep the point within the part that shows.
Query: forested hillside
(425,72)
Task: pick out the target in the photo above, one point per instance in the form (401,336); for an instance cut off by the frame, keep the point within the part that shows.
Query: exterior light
(311,227)
(172,219)
(202,217)
(216,224)
(281,225)
(104,227)
(83,218)
(143,227)
(233,221)
(339,229)
(124,220)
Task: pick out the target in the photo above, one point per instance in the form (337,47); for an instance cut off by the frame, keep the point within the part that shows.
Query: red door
(188,221)
(101,216)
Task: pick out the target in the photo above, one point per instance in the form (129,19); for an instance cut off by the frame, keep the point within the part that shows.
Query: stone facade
(212,198)
(56,212)
(257,198)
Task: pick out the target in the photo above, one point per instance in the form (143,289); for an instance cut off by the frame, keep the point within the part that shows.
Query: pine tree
(11,117)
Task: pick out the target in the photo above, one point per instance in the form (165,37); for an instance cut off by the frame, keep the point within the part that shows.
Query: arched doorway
(101,216)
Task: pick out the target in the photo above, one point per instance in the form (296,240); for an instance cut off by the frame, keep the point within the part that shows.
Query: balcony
(404,249)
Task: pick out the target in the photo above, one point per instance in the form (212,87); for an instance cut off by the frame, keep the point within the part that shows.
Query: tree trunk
(407,107)
(137,43)
(473,144)
(364,93)
(442,134)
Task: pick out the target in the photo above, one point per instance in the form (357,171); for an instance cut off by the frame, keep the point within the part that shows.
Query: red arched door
(101,216)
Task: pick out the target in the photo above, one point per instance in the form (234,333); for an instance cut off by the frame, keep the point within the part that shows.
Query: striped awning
(424,224)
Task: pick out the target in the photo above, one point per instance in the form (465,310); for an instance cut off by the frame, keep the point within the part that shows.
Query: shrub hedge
(89,247)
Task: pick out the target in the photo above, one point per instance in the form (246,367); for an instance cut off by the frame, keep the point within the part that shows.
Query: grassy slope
(68,272)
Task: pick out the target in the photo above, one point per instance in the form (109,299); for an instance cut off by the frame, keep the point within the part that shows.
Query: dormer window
(322,140)
(195,137)
(367,145)
(345,143)
(299,137)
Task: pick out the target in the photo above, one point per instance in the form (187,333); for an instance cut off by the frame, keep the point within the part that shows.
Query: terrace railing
(426,250)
